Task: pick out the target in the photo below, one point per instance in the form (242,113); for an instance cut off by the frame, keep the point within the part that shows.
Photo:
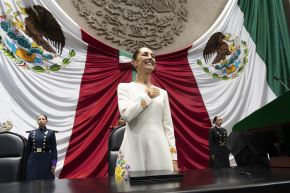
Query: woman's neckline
(139,83)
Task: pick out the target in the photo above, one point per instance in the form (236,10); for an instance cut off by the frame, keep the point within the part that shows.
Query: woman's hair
(135,58)
(214,119)
(42,115)
(136,53)
(134,69)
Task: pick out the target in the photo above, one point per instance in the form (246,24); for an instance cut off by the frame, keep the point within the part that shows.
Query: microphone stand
(279,80)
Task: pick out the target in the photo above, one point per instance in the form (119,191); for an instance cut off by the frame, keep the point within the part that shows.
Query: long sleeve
(168,127)
(29,146)
(211,142)
(53,149)
(130,108)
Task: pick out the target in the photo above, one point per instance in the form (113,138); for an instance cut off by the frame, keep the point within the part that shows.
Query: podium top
(154,176)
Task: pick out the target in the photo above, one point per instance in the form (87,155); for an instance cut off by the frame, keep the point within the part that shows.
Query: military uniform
(217,147)
(42,154)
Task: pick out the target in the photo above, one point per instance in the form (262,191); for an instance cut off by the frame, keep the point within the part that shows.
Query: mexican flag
(77,87)
(239,76)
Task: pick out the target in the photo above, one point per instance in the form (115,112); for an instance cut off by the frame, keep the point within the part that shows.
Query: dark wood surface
(235,180)
(280,162)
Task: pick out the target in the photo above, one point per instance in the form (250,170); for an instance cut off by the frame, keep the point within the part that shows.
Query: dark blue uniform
(217,147)
(42,154)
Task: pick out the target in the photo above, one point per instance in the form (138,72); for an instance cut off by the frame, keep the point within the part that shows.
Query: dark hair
(135,58)
(133,68)
(214,119)
(136,53)
(42,115)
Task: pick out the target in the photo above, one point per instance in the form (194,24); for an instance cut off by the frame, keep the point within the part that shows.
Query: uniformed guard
(41,152)
(219,153)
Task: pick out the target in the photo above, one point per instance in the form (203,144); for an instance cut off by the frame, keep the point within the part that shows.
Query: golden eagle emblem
(35,42)
(41,23)
(216,45)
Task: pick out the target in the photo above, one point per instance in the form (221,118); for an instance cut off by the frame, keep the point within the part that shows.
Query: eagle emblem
(34,43)
(41,23)
(224,56)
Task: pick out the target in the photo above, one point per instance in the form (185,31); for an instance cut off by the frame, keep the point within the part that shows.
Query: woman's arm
(168,127)
(53,152)
(130,108)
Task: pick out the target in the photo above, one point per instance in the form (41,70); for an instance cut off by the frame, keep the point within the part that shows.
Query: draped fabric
(50,84)
(190,118)
(77,89)
(271,35)
(232,95)
(96,112)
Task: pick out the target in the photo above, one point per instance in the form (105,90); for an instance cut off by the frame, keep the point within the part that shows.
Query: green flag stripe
(125,54)
(265,21)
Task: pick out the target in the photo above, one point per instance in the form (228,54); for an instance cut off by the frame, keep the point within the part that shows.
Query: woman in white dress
(149,142)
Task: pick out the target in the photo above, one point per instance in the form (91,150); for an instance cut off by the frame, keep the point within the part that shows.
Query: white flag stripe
(26,93)
(236,98)
(124,59)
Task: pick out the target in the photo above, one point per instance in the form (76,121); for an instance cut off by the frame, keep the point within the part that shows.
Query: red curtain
(97,110)
(190,118)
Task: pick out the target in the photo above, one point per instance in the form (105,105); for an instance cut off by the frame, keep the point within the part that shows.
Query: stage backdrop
(73,79)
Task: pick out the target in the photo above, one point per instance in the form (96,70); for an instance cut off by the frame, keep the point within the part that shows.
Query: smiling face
(145,61)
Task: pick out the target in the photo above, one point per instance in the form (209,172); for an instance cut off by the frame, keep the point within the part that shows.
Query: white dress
(149,142)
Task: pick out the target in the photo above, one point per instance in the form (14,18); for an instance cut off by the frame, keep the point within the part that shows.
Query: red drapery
(190,118)
(97,110)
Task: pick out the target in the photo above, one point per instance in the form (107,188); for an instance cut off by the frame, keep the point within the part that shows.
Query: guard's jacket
(217,147)
(42,154)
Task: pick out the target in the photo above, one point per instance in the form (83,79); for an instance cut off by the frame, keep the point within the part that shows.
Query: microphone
(279,80)
(276,78)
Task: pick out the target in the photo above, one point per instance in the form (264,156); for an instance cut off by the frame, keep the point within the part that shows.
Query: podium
(271,120)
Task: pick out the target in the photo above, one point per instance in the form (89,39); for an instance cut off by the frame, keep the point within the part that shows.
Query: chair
(115,141)
(12,147)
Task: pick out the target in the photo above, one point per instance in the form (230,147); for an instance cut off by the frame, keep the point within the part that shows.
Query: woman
(149,142)
(219,154)
(41,152)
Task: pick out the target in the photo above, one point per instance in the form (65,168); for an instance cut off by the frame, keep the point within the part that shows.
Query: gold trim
(172,150)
